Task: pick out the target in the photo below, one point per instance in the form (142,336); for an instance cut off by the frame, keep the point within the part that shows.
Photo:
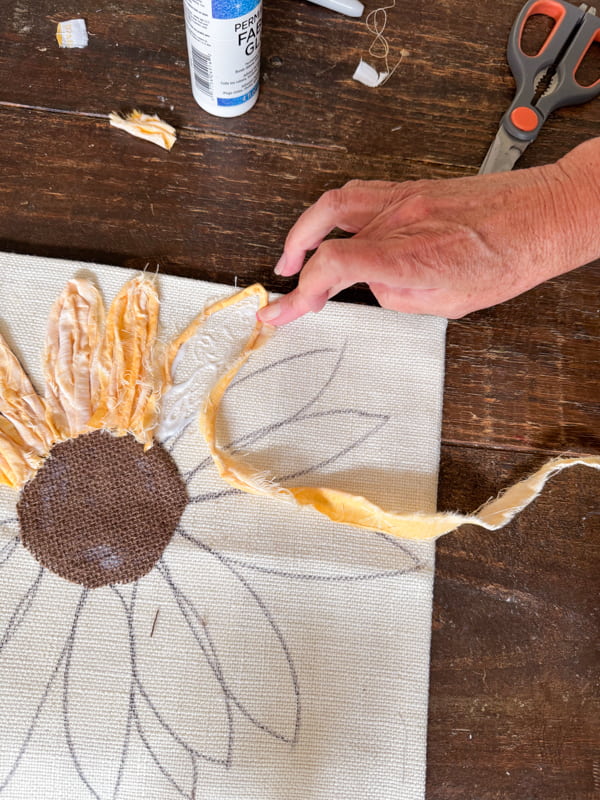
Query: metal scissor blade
(503,154)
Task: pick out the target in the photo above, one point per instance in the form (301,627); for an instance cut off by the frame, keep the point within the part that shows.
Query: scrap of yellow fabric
(145,126)
(341,506)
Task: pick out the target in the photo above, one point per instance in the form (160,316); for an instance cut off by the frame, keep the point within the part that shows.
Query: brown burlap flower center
(100,510)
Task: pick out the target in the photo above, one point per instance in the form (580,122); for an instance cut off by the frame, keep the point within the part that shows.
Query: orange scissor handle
(546,8)
(573,33)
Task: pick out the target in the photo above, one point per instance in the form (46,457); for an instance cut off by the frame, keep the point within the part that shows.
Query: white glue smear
(376,23)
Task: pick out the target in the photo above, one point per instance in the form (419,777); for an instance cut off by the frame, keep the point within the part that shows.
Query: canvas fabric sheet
(269,653)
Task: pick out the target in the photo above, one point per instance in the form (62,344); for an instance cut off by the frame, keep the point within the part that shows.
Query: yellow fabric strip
(256,290)
(124,380)
(359,512)
(343,507)
(22,406)
(74,329)
(17,463)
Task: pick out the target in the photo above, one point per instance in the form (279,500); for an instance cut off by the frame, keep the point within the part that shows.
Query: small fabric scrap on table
(145,126)
(268,652)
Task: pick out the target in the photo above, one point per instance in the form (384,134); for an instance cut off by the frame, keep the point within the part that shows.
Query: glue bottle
(223,38)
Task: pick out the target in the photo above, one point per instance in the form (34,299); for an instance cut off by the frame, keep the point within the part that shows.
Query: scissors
(555,65)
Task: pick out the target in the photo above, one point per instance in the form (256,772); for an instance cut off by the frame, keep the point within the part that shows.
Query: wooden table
(514,704)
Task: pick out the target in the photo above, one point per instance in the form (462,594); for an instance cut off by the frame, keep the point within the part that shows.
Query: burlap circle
(101,510)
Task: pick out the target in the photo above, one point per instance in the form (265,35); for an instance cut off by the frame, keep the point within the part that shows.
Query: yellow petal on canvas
(17,463)
(22,406)
(232,470)
(126,390)
(254,341)
(73,337)
(354,510)
(145,126)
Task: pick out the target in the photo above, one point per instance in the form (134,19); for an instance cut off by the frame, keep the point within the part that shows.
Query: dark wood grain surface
(514,675)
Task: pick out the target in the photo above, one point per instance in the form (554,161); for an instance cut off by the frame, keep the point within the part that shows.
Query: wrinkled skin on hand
(444,247)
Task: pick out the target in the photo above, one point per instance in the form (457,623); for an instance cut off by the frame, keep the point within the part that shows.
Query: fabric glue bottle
(223,38)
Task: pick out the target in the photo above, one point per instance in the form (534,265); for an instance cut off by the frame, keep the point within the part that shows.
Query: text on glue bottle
(223,38)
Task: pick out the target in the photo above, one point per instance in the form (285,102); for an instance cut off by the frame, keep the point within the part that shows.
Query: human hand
(445,247)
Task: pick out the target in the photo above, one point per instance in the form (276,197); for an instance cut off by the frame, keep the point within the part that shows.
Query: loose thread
(376,23)
(154,623)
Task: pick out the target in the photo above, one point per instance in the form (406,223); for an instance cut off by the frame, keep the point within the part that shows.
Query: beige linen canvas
(269,653)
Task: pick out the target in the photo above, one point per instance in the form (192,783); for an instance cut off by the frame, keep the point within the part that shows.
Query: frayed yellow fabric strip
(342,507)
(145,126)
(21,405)
(127,392)
(361,513)
(235,472)
(256,290)
(74,330)
(17,462)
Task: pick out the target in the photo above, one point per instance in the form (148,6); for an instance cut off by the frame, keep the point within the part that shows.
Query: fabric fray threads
(366,74)
(145,126)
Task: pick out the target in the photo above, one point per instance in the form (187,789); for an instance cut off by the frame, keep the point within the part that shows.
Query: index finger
(337,264)
(349,208)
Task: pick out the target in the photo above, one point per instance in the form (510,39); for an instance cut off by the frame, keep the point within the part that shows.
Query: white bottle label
(224,49)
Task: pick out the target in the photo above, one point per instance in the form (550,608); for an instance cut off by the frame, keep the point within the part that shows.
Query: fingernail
(269,313)
(280,266)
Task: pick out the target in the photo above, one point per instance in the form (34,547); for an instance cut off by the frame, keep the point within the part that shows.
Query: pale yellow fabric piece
(351,509)
(127,391)
(146,126)
(72,33)
(21,405)
(17,465)
(235,472)
(74,331)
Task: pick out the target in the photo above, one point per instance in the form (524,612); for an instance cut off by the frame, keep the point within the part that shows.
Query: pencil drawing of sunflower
(98,553)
